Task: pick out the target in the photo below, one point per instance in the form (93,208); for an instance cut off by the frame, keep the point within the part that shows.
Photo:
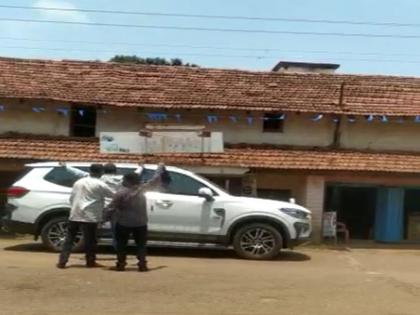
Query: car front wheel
(257,241)
(54,232)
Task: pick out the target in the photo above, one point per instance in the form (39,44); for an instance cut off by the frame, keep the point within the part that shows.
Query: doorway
(412,214)
(355,207)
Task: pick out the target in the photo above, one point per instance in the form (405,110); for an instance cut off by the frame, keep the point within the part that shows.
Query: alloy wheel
(257,241)
(57,234)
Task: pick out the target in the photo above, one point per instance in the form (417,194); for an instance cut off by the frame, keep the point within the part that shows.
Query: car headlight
(296,213)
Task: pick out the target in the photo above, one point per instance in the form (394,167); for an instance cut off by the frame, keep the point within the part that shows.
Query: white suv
(191,210)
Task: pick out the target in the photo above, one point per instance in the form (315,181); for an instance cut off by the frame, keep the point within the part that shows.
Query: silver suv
(191,210)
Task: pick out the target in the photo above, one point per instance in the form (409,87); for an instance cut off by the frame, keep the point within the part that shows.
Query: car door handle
(164,203)
(219,211)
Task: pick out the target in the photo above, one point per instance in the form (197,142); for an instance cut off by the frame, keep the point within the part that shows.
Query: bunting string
(213,118)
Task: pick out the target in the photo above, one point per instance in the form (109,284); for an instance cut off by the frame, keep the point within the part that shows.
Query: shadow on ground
(292,256)
(132,267)
(369,244)
(6,235)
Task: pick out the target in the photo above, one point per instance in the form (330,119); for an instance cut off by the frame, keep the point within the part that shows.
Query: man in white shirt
(114,182)
(111,178)
(87,203)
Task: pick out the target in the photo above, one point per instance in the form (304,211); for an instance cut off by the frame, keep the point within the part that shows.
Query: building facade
(332,142)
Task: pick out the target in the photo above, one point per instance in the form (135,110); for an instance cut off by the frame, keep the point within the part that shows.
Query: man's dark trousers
(89,231)
(122,235)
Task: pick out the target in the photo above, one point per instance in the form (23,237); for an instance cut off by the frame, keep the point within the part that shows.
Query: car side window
(146,175)
(183,185)
(63,177)
(124,170)
(180,184)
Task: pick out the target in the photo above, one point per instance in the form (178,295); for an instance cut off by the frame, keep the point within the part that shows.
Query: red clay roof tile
(74,149)
(199,88)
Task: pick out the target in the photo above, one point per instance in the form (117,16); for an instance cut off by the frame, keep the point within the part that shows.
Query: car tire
(258,241)
(53,234)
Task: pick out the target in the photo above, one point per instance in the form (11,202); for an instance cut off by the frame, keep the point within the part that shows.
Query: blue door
(389,214)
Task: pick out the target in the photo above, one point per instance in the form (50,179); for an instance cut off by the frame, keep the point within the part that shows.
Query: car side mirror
(206,193)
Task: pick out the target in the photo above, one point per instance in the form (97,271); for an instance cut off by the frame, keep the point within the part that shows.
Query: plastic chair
(342,228)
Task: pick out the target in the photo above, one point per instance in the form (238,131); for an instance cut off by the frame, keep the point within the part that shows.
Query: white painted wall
(118,120)
(19,117)
(381,136)
(298,129)
(295,183)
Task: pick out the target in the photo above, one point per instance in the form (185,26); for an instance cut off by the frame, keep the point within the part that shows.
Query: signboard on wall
(161,141)
(329,228)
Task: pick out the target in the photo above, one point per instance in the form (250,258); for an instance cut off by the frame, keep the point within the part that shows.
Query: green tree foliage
(150,61)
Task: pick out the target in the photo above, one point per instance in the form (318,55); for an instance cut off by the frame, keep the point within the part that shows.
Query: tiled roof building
(345,143)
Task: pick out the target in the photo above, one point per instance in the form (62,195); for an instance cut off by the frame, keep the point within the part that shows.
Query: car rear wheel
(257,241)
(54,232)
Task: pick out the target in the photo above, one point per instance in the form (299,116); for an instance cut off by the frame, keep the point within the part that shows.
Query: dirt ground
(308,280)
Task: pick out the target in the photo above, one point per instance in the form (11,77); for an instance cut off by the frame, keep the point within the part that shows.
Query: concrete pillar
(313,199)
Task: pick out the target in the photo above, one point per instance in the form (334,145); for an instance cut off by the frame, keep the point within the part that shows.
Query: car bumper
(5,214)
(303,234)
(14,226)
(298,241)
(18,227)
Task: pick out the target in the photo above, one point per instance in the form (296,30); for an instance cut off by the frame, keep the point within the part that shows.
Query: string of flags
(249,119)
(64,111)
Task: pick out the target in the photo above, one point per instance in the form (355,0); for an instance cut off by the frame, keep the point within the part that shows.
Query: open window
(180,184)
(273,123)
(184,185)
(83,121)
